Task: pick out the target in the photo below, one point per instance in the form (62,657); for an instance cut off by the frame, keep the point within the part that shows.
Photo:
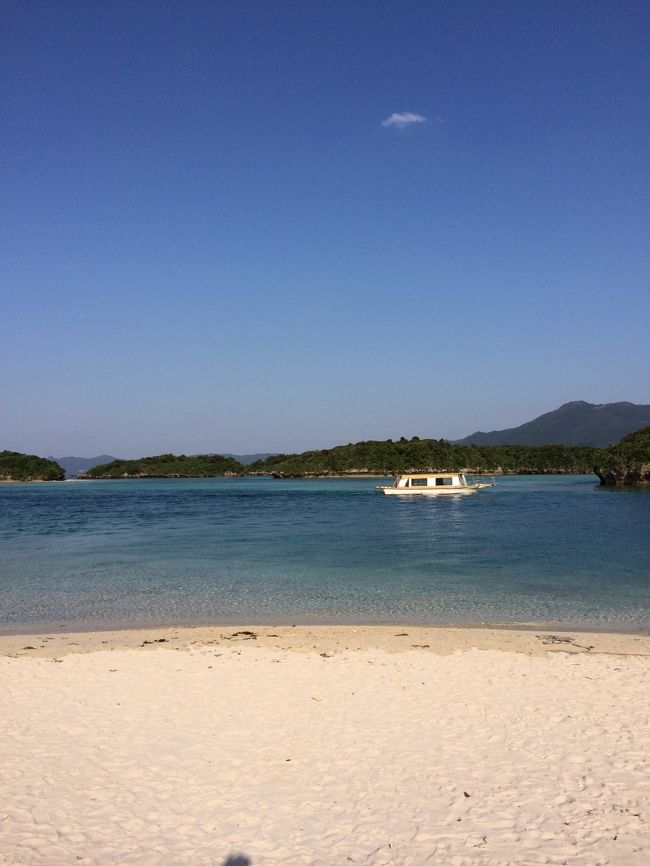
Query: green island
(429,455)
(28,467)
(628,462)
(168,466)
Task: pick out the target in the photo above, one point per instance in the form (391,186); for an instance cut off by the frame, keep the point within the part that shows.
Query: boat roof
(429,474)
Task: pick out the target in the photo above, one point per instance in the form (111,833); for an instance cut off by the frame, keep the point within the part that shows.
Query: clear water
(554,549)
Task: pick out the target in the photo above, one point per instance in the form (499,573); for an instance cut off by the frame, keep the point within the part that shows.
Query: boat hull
(431,491)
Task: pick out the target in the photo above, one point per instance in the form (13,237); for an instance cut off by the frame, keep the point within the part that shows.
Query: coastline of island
(627,463)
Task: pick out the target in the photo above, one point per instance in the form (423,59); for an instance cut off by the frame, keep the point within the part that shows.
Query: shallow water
(132,552)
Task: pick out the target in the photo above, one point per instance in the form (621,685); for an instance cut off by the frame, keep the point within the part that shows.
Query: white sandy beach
(375,745)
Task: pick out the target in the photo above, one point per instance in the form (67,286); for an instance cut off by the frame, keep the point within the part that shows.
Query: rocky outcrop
(628,462)
(621,475)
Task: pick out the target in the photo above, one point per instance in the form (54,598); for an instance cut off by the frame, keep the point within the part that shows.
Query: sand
(331,746)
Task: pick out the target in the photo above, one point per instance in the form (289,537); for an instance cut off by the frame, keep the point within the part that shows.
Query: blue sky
(212,241)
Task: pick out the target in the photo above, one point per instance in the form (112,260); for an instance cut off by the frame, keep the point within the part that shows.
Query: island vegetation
(28,467)
(429,455)
(168,466)
(628,462)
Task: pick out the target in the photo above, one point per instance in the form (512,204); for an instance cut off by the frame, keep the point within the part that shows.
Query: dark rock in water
(628,462)
(623,476)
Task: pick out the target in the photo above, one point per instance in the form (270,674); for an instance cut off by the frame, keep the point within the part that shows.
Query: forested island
(366,458)
(28,467)
(168,466)
(628,462)
(429,455)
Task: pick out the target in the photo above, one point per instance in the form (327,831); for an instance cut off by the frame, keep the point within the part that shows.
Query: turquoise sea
(551,549)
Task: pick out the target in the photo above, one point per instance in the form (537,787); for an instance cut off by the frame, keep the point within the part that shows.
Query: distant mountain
(245,459)
(576,423)
(74,465)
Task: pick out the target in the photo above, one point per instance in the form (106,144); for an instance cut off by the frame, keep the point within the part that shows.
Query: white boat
(438,484)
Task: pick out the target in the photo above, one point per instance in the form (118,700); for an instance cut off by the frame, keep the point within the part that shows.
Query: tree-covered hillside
(28,467)
(430,455)
(627,462)
(168,466)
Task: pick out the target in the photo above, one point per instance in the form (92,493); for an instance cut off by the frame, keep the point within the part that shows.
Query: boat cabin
(446,479)
(432,484)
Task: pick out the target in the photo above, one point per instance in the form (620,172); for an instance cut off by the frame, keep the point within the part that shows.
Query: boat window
(418,482)
(444,482)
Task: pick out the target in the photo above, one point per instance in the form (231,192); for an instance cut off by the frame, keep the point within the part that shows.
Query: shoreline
(531,640)
(307,476)
(61,627)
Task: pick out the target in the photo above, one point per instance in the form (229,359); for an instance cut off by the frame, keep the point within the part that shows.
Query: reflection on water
(535,548)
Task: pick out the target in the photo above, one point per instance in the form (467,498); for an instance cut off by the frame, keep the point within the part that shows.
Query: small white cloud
(406,118)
